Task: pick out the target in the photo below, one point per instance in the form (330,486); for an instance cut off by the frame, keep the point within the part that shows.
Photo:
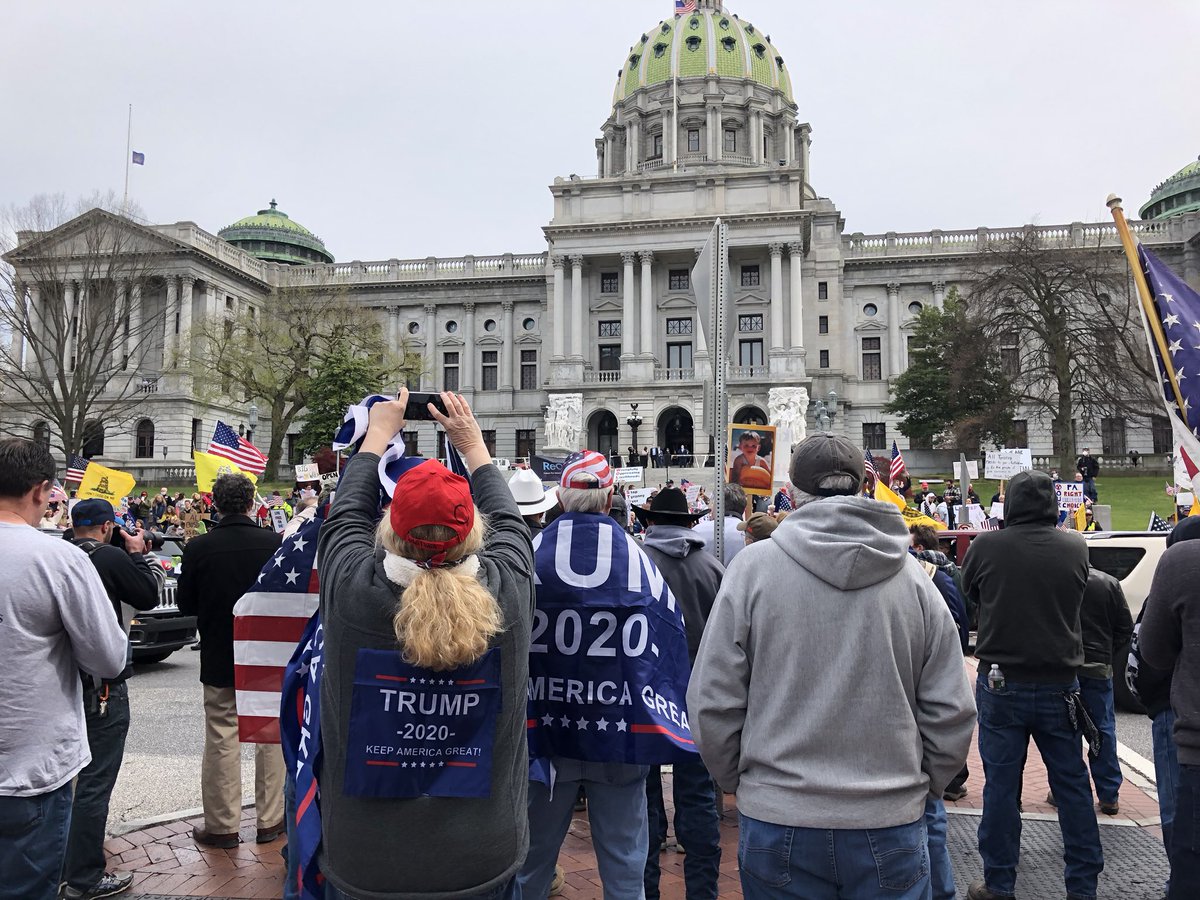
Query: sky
(409,130)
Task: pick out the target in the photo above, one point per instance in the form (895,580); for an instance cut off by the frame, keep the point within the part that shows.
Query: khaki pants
(221,769)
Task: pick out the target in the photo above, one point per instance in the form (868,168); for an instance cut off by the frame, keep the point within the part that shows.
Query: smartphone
(417,409)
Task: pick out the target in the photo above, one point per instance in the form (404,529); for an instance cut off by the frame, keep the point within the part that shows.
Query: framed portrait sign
(751,461)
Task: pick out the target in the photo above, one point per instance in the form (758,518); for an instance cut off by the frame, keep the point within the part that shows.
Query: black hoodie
(1028,582)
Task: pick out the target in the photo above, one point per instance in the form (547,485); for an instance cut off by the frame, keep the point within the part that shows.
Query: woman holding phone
(426,643)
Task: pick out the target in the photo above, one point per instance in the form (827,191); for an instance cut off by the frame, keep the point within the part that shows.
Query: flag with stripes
(683,7)
(898,466)
(229,444)
(76,467)
(869,465)
(1158,523)
(57,494)
(783,501)
(268,621)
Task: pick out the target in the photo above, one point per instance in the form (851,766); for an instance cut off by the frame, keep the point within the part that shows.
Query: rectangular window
(489,441)
(766,147)
(196,425)
(910,345)
(1010,354)
(730,140)
(294,456)
(750,353)
(679,356)
(1112,436)
(750,276)
(824,359)
(526,438)
(228,304)
(679,280)
(822,290)
(750,323)
(693,140)
(529,377)
(610,329)
(610,357)
(872,360)
(491,369)
(657,141)
(609,282)
(874,435)
(679,326)
(822,324)
(412,441)
(450,371)
(1160,433)
(1020,435)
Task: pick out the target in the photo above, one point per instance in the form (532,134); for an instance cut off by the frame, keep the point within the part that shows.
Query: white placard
(629,475)
(308,472)
(1001,465)
(639,496)
(1070,494)
(972,471)
(692,491)
(329,480)
(975,514)
(997,510)
(279,519)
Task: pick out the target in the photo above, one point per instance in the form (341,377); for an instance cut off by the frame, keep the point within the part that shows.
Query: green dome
(271,236)
(1177,195)
(705,42)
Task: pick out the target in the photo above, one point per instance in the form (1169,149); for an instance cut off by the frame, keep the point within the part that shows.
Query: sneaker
(108,886)
(980,891)
(952,794)
(560,880)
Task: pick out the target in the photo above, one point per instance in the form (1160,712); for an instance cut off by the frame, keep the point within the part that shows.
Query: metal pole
(720,394)
(128,154)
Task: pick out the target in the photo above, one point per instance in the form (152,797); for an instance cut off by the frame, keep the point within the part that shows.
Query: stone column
(795,270)
(185,315)
(776,251)
(893,291)
(578,313)
(429,377)
(68,340)
(756,137)
(628,305)
(469,352)
(134,345)
(212,304)
(506,356)
(559,310)
(35,348)
(397,337)
(609,144)
(172,303)
(939,294)
(647,301)
(635,145)
(17,351)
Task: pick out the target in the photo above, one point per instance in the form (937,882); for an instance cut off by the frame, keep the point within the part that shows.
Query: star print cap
(586,469)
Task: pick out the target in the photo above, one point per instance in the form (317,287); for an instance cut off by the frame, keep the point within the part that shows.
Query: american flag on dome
(76,466)
(227,444)
(267,623)
(683,7)
(897,463)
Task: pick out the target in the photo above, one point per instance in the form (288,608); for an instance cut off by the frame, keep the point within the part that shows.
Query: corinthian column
(172,305)
(506,356)
(429,376)
(469,351)
(795,263)
(185,314)
(776,296)
(559,310)
(647,301)
(628,304)
(893,291)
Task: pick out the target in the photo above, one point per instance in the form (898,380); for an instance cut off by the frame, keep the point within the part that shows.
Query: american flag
(1158,523)
(782,501)
(990,524)
(267,623)
(683,7)
(76,466)
(228,444)
(869,465)
(57,494)
(897,463)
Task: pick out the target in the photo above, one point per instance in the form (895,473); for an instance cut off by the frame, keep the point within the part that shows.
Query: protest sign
(547,468)
(972,471)
(997,511)
(692,491)
(751,460)
(279,519)
(329,480)
(628,475)
(1004,464)
(640,496)
(308,472)
(1070,494)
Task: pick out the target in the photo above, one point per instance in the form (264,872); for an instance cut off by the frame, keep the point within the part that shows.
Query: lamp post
(634,422)
(164,451)
(252,417)
(826,411)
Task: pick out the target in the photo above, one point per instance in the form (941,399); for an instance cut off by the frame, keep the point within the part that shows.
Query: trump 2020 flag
(300,725)
(608,660)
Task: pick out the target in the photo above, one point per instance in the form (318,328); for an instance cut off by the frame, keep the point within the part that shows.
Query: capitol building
(601,322)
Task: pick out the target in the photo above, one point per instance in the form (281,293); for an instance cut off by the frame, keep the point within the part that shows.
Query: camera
(417,407)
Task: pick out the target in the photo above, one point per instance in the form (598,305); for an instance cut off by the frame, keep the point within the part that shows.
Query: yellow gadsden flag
(105,484)
(210,467)
(911,516)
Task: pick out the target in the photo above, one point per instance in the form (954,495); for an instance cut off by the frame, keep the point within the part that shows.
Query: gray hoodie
(694,577)
(829,691)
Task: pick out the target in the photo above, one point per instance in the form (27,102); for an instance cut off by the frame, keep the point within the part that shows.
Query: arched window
(41,434)
(145,440)
(93,439)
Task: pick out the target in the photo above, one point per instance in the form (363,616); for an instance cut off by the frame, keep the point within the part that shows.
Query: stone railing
(1078,234)
(591,376)
(674,374)
(745,372)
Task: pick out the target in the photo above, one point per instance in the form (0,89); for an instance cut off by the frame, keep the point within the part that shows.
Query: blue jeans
(778,861)
(33,844)
(1097,694)
(1166,770)
(941,871)
(1007,719)
(696,828)
(1185,837)
(617,814)
(85,861)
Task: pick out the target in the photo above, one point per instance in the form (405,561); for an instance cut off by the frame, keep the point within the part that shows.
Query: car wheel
(153,657)
(1122,698)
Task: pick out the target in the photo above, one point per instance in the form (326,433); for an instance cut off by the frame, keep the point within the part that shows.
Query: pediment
(491,339)
(871,328)
(451,340)
(679,301)
(79,236)
(606,305)
(528,338)
(752,300)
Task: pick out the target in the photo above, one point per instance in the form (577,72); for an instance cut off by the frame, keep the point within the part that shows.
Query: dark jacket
(217,568)
(1151,686)
(1028,582)
(1107,624)
(128,578)
(1087,466)
(388,849)
(694,577)
(949,591)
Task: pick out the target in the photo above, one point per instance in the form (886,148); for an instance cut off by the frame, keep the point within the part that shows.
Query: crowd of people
(535,648)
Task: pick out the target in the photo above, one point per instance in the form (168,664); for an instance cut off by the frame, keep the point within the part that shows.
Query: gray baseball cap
(825,454)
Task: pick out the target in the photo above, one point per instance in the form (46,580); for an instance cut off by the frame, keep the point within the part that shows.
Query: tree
(1067,325)
(954,383)
(343,379)
(77,333)
(273,352)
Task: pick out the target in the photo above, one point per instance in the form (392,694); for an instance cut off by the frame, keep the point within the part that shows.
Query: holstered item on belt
(1082,723)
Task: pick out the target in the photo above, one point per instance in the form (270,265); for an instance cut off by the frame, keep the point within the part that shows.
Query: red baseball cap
(430,494)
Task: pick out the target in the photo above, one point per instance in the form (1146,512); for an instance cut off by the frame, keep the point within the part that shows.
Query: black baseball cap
(92,512)
(826,454)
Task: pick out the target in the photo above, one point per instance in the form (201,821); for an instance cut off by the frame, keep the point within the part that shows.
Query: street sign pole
(717,340)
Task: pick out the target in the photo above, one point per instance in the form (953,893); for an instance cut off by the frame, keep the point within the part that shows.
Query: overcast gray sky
(416,129)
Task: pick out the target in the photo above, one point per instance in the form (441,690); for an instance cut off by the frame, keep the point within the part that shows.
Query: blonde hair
(446,618)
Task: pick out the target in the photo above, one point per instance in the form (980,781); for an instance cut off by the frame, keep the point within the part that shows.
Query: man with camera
(128,577)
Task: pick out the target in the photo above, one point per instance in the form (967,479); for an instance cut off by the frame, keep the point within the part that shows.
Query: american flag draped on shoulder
(229,445)
(608,661)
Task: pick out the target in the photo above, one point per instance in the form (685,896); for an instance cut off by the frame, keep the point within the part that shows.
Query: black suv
(157,633)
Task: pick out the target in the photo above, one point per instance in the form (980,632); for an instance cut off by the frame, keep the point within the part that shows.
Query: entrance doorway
(676,436)
(602,433)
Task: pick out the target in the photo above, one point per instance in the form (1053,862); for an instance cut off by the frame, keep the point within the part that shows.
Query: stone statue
(564,422)
(787,409)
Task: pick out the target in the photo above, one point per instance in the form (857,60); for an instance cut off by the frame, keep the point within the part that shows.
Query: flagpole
(1139,276)
(128,152)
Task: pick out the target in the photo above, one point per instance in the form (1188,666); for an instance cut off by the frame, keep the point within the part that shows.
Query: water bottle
(996,678)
